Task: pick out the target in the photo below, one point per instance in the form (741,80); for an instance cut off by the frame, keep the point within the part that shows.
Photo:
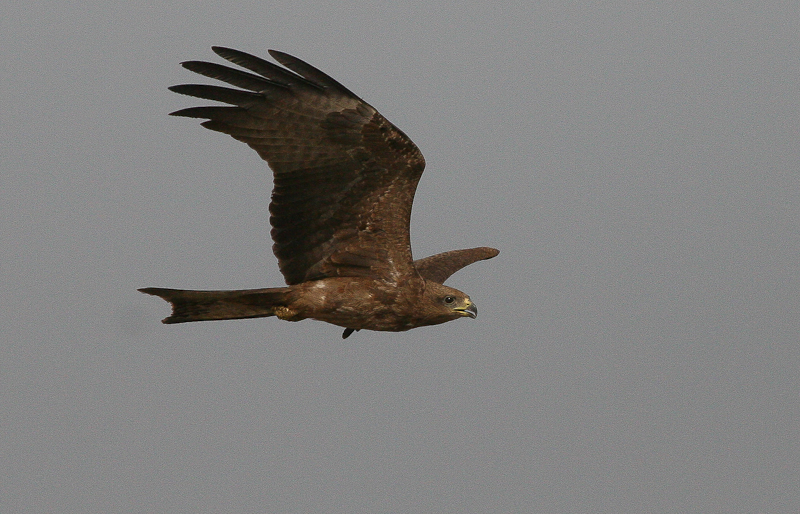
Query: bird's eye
(449,299)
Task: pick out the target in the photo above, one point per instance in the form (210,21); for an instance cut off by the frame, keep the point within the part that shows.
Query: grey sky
(637,344)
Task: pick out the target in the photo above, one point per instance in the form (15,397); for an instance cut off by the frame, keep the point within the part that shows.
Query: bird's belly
(365,317)
(358,304)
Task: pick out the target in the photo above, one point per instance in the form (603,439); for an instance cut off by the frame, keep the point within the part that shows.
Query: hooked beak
(469,309)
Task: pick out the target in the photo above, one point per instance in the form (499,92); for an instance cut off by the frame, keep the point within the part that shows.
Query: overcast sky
(637,164)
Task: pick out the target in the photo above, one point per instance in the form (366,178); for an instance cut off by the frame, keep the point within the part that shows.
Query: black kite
(344,182)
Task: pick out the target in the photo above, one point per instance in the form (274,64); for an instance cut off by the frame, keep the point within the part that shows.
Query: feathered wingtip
(439,267)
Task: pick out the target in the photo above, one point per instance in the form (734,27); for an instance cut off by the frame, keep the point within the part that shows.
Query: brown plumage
(344,182)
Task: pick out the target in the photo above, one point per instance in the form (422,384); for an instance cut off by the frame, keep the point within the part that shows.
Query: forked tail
(218,305)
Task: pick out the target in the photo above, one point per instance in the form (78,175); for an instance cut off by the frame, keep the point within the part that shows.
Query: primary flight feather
(344,183)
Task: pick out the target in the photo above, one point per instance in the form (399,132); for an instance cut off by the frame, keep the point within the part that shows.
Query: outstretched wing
(344,176)
(439,267)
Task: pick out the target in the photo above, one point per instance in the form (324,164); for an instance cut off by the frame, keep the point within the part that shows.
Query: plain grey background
(637,345)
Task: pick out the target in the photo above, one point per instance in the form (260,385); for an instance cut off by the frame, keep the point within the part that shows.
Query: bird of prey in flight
(344,182)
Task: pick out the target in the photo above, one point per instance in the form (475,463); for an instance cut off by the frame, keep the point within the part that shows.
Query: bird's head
(446,303)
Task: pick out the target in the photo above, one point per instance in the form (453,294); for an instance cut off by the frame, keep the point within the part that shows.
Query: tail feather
(219,305)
